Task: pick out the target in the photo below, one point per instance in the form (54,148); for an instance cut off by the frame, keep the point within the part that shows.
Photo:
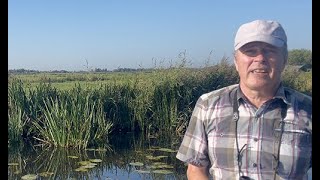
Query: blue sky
(65,34)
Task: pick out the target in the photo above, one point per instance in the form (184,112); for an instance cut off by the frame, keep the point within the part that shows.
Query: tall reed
(152,102)
(16,124)
(73,120)
(16,115)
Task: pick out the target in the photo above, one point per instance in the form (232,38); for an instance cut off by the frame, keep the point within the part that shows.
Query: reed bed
(149,102)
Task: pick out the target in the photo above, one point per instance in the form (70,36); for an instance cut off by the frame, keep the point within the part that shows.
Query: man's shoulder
(218,93)
(294,95)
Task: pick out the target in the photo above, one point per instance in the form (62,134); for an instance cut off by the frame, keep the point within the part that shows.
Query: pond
(125,156)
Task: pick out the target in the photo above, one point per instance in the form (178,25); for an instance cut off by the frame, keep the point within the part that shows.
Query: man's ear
(285,61)
(285,56)
(235,60)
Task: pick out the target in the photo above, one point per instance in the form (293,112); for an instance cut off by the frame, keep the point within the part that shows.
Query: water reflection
(120,159)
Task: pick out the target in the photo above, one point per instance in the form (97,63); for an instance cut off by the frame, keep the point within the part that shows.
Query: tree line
(295,57)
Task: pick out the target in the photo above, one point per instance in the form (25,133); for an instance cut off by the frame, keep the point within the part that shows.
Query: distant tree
(22,71)
(299,57)
(100,70)
(124,70)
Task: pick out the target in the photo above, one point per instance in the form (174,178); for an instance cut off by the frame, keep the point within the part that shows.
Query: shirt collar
(280,94)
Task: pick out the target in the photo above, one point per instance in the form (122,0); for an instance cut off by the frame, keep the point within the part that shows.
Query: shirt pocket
(221,141)
(295,151)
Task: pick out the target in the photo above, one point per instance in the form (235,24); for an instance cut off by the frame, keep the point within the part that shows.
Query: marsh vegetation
(81,110)
(68,118)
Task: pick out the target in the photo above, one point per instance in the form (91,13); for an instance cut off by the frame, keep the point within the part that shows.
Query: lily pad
(161,157)
(88,166)
(151,157)
(165,166)
(83,163)
(143,171)
(153,148)
(95,160)
(166,150)
(162,171)
(136,164)
(73,157)
(155,157)
(153,167)
(29,176)
(160,165)
(81,169)
(46,174)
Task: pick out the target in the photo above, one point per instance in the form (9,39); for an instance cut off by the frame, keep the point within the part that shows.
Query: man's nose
(260,56)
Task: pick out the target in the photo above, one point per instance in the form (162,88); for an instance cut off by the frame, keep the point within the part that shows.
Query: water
(117,157)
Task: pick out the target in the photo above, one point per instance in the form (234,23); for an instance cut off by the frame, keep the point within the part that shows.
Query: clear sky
(65,34)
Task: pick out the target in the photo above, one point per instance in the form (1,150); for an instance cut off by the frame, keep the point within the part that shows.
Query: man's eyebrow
(248,47)
(258,45)
(270,46)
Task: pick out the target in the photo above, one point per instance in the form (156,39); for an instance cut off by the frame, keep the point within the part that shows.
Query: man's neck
(258,97)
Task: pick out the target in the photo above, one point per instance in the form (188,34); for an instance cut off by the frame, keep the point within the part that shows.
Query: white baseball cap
(267,31)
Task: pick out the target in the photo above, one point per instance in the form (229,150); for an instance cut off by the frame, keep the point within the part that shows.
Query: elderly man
(257,129)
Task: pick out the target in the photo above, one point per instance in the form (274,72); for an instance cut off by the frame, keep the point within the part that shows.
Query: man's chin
(259,86)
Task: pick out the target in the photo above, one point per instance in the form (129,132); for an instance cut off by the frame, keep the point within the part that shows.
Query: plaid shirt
(210,137)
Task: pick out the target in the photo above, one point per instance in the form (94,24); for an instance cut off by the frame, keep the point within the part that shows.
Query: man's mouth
(260,71)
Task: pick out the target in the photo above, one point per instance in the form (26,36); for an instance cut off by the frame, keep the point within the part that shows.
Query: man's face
(259,65)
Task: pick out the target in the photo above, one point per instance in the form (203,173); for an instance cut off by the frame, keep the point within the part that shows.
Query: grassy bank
(79,110)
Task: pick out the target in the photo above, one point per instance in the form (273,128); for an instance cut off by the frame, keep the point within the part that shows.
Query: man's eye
(270,51)
(251,52)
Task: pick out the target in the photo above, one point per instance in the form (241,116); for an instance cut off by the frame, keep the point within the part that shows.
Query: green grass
(75,110)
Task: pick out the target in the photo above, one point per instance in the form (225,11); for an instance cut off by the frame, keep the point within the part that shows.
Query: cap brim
(267,39)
